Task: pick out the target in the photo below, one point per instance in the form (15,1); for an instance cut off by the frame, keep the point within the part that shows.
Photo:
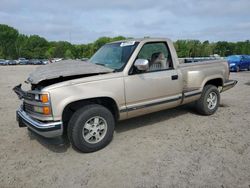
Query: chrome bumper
(48,129)
(229,84)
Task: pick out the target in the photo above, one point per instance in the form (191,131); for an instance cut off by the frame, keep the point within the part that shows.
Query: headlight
(44,98)
(232,64)
(38,103)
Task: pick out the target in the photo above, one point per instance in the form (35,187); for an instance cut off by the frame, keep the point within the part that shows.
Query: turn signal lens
(44,98)
(46,110)
(38,109)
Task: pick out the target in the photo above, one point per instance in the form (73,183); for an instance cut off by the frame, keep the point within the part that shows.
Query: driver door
(158,88)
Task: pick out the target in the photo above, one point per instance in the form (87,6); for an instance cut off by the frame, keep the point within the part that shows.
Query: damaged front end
(36,110)
(20,93)
(63,71)
(35,113)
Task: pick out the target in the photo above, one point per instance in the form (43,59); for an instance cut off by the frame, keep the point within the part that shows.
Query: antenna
(70,36)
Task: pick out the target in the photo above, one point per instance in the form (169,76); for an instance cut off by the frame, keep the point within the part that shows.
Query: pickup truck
(124,79)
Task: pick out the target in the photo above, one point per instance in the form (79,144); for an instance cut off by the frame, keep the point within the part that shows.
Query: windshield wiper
(104,65)
(100,64)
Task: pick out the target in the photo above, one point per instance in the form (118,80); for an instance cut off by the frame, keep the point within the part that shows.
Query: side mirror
(142,64)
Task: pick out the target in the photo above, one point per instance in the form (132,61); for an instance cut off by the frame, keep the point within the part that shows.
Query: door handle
(175,77)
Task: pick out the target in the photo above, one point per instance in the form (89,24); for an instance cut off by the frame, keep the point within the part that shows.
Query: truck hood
(64,69)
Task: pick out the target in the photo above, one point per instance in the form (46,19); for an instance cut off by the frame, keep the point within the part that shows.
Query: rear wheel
(248,68)
(91,128)
(209,101)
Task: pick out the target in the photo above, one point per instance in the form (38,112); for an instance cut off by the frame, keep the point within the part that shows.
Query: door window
(158,55)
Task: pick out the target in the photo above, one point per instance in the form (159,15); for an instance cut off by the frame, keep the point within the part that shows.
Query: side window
(158,56)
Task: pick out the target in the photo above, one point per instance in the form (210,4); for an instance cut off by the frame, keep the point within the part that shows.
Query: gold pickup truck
(121,80)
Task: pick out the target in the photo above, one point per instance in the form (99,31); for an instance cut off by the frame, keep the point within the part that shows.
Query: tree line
(14,45)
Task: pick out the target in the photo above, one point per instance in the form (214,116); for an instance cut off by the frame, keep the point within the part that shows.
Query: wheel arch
(216,81)
(72,107)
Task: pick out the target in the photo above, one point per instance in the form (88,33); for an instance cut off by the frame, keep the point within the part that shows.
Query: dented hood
(66,68)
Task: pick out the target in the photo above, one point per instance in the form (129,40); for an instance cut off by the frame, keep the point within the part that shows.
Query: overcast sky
(83,21)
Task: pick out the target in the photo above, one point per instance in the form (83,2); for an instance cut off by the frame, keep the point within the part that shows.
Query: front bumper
(229,84)
(46,129)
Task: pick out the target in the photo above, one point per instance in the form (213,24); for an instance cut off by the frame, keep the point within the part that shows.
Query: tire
(205,105)
(248,68)
(86,133)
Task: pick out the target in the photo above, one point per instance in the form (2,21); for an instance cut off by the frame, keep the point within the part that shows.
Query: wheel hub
(94,130)
(212,100)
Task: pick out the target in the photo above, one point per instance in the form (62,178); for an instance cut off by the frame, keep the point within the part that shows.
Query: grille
(30,96)
(28,107)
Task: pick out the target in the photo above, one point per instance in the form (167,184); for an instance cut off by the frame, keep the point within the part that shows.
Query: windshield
(114,55)
(234,58)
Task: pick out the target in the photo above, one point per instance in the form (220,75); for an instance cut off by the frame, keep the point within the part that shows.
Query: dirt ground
(172,148)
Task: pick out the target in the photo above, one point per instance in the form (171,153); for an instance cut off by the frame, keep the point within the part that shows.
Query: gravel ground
(172,148)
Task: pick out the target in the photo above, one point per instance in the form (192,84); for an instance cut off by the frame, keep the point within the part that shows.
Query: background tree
(20,45)
(35,47)
(68,54)
(14,45)
(87,50)
(50,52)
(8,36)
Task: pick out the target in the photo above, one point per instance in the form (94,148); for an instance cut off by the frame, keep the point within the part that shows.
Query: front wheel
(91,128)
(209,100)
(237,69)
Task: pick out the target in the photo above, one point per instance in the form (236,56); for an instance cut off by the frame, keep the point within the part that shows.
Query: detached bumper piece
(229,84)
(46,129)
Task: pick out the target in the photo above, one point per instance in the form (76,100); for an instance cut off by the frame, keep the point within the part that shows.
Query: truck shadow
(57,145)
(61,144)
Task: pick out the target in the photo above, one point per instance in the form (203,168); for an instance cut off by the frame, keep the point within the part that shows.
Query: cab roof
(146,39)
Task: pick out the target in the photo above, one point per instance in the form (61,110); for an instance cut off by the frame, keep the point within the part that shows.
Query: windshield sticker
(129,43)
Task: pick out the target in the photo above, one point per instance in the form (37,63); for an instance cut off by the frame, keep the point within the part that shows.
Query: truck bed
(195,75)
